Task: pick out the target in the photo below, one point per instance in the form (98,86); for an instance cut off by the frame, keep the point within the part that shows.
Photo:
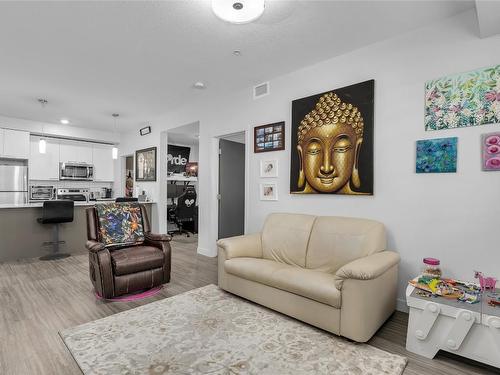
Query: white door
(80,152)
(16,144)
(103,163)
(44,166)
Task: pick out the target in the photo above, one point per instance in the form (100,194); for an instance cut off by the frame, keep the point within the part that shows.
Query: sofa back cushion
(285,238)
(336,241)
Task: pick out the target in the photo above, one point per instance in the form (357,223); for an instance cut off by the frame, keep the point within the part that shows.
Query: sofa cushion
(136,259)
(285,238)
(316,285)
(336,241)
(255,269)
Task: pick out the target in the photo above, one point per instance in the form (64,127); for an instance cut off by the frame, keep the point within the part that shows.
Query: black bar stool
(56,212)
(126,199)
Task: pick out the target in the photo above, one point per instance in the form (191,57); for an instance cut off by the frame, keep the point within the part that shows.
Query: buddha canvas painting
(332,142)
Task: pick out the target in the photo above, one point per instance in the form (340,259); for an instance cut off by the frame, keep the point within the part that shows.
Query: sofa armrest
(367,268)
(94,246)
(249,245)
(369,293)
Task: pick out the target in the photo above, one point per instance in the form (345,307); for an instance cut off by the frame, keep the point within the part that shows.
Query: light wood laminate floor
(38,299)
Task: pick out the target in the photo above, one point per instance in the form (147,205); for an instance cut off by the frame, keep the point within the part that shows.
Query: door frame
(247,178)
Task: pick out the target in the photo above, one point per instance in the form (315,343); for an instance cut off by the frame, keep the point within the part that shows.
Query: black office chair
(185,210)
(55,213)
(126,199)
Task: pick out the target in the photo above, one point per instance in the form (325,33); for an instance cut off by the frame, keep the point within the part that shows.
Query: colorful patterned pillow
(120,224)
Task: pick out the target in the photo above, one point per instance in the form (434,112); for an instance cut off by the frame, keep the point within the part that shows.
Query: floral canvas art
(461,100)
(490,146)
(437,155)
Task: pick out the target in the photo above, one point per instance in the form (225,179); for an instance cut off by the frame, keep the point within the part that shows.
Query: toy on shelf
(486,283)
(447,288)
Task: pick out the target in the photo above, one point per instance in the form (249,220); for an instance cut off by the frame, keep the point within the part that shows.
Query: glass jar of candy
(431,268)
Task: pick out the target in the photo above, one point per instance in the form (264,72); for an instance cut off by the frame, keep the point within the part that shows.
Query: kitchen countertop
(40,204)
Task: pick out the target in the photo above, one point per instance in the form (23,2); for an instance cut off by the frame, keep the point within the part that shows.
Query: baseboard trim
(205,252)
(401,305)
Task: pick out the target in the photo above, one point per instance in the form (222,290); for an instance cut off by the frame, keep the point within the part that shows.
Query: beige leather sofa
(332,272)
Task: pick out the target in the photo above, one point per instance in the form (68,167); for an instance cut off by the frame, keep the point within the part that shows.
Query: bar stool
(126,199)
(56,212)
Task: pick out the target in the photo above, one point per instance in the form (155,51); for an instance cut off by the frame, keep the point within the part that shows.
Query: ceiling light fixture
(114,152)
(199,85)
(64,121)
(42,144)
(238,11)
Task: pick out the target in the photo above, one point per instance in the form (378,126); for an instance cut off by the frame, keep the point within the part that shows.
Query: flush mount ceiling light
(238,11)
(64,121)
(199,85)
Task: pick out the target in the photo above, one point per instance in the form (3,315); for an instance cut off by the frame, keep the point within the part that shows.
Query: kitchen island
(22,236)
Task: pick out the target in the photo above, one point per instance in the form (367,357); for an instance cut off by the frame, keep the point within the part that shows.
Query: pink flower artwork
(490,148)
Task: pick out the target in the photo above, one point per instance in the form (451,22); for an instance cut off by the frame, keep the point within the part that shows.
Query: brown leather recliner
(127,269)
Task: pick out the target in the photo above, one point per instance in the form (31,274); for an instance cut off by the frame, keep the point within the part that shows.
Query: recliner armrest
(94,246)
(157,237)
(249,245)
(367,268)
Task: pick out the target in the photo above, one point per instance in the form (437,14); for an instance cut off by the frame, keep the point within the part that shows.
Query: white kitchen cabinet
(79,152)
(104,165)
(44,166)
(16,144)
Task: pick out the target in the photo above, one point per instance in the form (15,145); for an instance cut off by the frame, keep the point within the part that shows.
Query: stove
(72,194)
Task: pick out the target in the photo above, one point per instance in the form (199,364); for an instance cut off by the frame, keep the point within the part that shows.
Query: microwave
(42,192)
(76,171)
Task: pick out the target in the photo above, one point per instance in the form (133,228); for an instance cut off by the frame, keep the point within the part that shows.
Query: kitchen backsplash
(92,186)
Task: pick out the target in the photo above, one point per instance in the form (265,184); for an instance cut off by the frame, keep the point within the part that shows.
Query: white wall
(449,216)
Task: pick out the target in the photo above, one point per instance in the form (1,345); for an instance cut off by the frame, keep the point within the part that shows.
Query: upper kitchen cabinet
(44,166)
(79,152)
(104,165)
(14,144)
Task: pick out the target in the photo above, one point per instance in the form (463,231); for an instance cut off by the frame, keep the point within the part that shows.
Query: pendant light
(114,152)
(42,144)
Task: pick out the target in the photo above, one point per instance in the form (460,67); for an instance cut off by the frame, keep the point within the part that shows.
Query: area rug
(209,331)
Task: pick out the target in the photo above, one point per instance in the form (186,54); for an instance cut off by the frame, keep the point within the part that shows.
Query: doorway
(129,176)
(231,185)
(182,182)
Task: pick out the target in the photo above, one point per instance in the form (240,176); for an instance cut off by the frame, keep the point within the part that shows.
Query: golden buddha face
(329,141)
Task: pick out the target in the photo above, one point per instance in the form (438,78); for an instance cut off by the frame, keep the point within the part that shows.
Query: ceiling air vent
(261,90)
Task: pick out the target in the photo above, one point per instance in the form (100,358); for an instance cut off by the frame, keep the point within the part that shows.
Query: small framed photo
(270,137)
(268,168)
(268,192)
(145,164)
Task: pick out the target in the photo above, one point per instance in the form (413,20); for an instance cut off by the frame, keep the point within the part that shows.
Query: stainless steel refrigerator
(13,184)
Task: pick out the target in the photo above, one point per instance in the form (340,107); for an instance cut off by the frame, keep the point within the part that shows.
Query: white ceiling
(90,59)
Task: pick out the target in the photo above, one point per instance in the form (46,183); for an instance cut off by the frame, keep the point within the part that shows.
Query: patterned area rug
(209,331)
